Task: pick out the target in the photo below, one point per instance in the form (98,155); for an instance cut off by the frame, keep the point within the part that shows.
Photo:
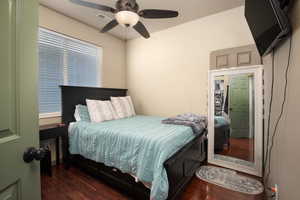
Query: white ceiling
(188,10)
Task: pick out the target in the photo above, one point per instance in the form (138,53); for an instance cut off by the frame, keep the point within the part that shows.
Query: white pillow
(76,115)
(131,105)
(123,106)
(100,111)
(117,104)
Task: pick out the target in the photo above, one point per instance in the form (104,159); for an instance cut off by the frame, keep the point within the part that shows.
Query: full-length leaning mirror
(235,119)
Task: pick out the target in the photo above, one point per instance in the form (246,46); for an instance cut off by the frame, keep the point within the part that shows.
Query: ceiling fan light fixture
(128,14)
(126,18)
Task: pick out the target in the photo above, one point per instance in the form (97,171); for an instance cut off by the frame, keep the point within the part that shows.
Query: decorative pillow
(131,105)
(100,110)
(82,113)
(123,106)
(115,116)
(117,105)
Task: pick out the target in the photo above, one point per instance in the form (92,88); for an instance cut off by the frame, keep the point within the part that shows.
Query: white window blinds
(64,61)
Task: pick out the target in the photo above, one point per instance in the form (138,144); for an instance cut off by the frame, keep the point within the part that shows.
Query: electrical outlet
(276,192)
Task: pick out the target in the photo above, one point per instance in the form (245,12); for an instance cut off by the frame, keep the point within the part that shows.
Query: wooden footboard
(180,168)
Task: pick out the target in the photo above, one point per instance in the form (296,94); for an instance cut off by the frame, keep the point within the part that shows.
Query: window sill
(49,115)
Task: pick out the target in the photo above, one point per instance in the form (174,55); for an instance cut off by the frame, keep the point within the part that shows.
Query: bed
(222,133)
(179,162)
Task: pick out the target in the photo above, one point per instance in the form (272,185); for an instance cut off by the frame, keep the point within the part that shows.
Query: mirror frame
(257,70)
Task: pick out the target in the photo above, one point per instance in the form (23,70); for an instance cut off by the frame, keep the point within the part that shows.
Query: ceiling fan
(127,14)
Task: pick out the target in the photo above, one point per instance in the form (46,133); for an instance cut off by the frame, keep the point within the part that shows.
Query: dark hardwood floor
(240,148)
(74,184)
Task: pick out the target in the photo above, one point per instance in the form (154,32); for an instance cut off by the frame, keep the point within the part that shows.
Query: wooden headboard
(72,96)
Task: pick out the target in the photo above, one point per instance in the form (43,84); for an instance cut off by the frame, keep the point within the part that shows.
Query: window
(64,61)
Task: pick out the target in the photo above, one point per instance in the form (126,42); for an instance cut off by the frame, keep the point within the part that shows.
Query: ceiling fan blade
(141,29)
(93,5)
(158,14)
(109,26)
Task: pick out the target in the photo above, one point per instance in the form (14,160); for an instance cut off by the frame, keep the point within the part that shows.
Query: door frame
(256,167)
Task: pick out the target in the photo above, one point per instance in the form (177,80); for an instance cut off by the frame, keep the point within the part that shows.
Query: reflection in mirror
(234,118)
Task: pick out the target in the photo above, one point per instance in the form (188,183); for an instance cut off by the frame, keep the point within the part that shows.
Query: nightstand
(52,131)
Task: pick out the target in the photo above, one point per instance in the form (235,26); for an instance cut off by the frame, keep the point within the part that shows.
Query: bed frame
(180,167)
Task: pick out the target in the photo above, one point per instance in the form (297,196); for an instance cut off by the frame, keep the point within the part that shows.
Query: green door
(239,106)
(18,99)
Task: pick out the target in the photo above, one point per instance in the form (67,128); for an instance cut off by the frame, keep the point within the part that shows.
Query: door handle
(32,153)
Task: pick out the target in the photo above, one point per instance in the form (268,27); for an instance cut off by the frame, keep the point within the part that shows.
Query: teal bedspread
(138,145)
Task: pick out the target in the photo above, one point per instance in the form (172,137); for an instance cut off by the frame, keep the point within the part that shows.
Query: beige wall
(285,160)
(114,56)
(167,74)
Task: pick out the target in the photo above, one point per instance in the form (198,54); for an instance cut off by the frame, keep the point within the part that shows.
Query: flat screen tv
(268,23)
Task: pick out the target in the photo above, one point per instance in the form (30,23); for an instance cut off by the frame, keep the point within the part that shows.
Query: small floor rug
(229,179)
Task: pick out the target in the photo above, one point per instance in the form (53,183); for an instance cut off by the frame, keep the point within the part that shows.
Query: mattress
(138,146)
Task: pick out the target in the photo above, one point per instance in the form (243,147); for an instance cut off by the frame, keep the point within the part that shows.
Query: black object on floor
(46,165)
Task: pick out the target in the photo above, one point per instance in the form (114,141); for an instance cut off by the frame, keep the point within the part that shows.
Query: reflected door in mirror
(234,100)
